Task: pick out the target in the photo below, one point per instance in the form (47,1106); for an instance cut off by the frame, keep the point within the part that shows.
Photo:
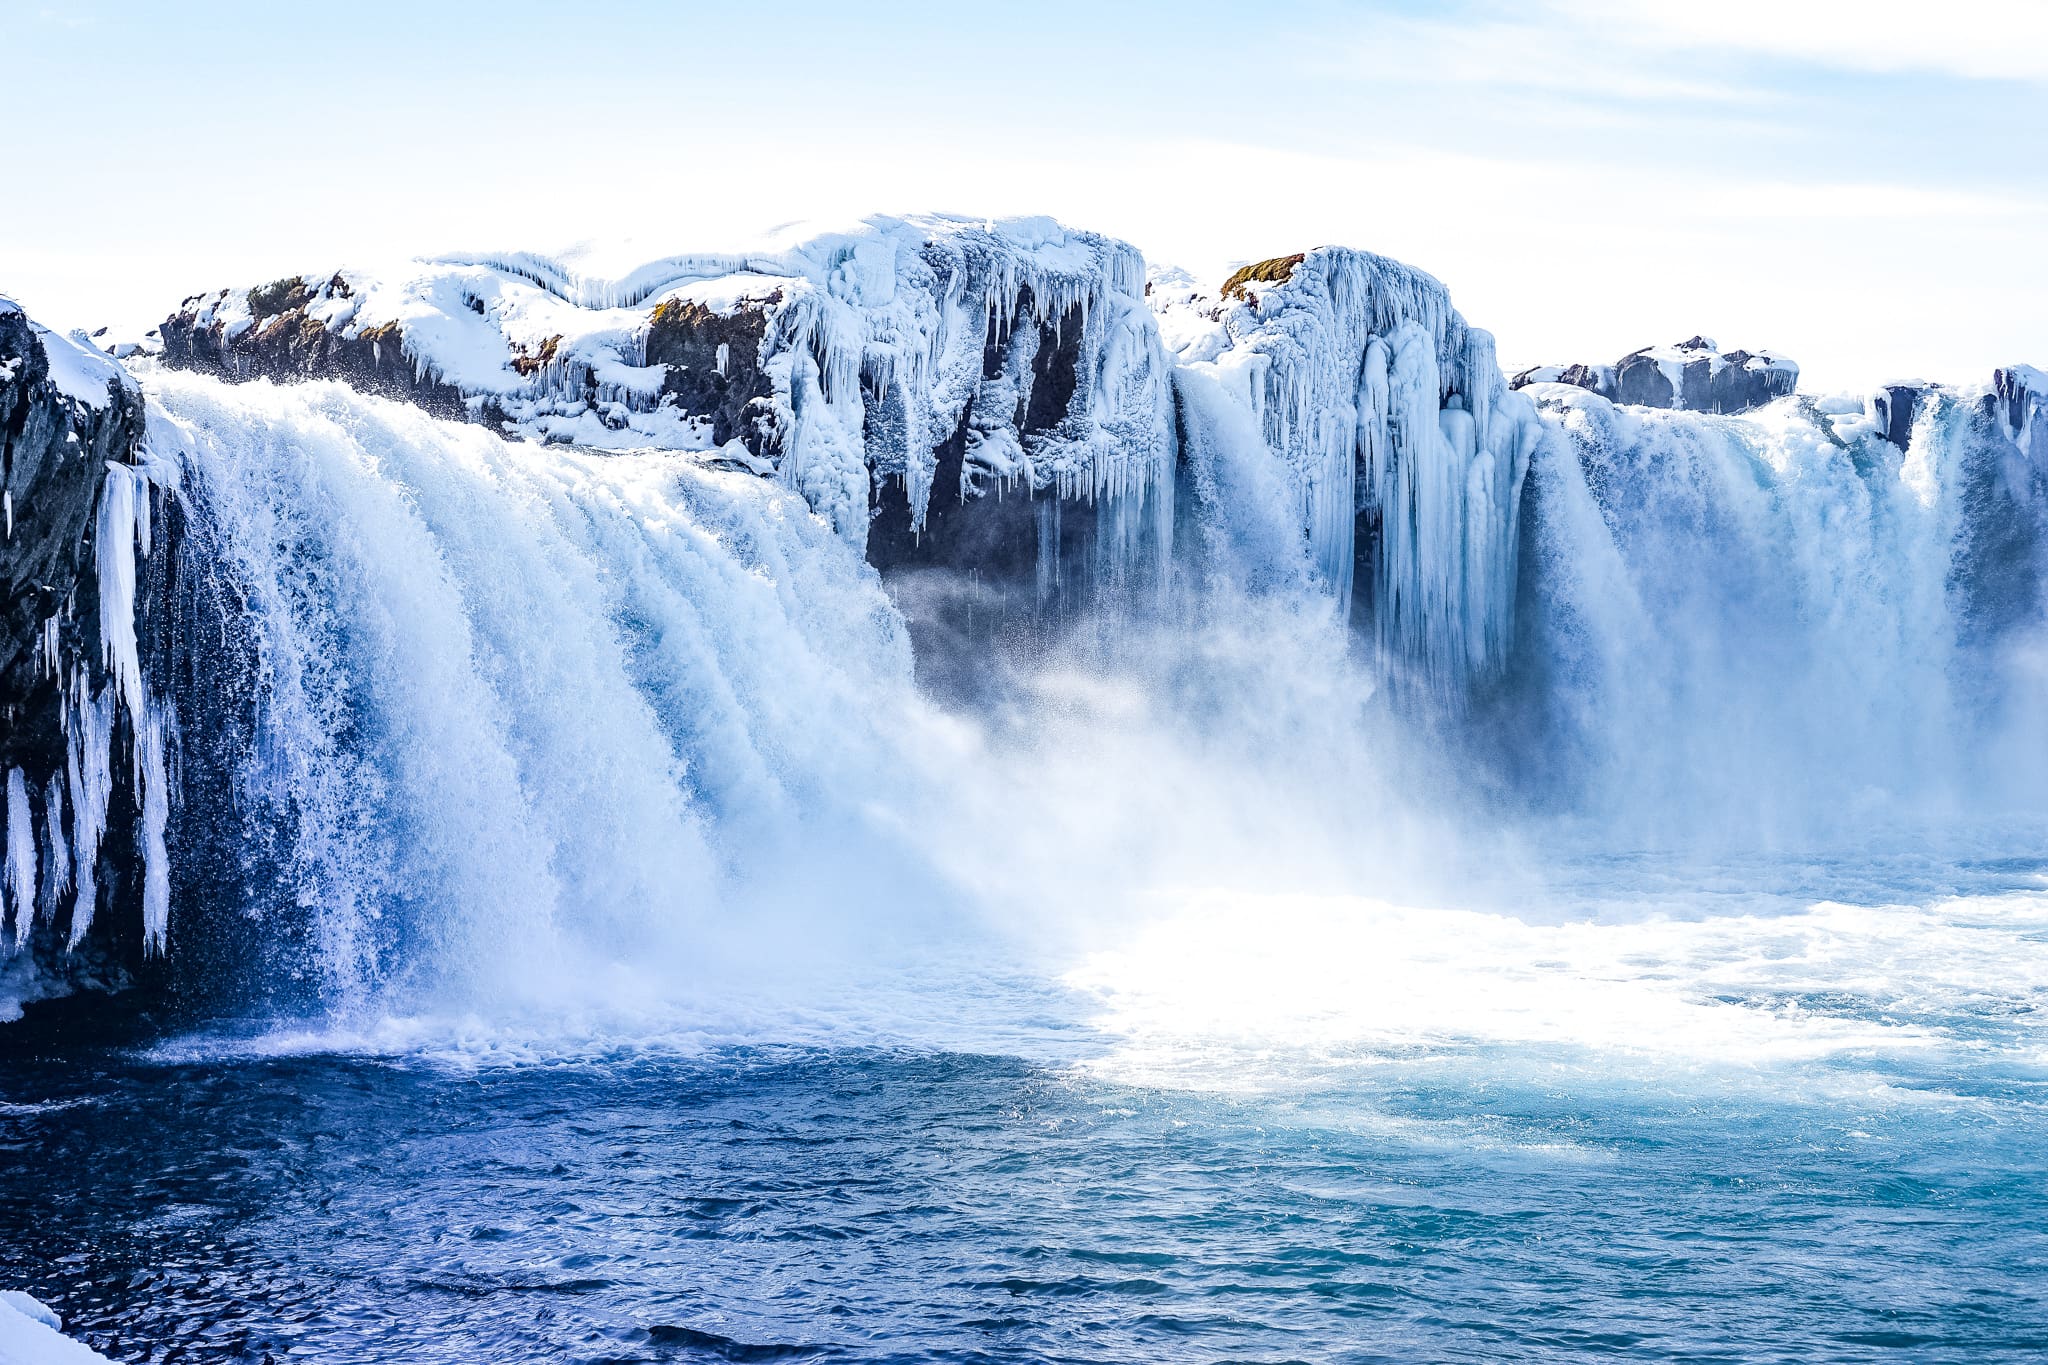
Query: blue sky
(1864,186)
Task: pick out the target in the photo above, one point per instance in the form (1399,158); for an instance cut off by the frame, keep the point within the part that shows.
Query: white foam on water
(1245,991)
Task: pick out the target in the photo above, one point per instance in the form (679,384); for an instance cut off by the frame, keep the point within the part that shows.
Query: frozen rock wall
(850,363)
(83,799)
(1402,445)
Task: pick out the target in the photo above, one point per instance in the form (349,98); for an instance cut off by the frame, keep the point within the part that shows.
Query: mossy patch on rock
(279,296)
(1278,270)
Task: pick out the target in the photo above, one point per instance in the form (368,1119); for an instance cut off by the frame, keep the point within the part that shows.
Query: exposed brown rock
(1278,270)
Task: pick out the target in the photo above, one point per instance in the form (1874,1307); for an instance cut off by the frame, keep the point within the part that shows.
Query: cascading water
(512,701)
(1782,627)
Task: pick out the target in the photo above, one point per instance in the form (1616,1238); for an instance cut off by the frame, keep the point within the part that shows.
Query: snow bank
(77,368)
(30,1334)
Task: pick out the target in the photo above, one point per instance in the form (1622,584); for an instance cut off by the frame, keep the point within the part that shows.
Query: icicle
(20,872)
(1048,515)
(121,526)
(57,876)
(156,861)
(89,768)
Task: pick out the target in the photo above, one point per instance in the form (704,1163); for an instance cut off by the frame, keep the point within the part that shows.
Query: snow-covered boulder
(884,370)
(1693,376)
(2020,398)
(1390,420)
(31,1334)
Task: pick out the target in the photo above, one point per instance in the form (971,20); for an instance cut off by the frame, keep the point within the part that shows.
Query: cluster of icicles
(904,334)
(1376,397)
(56,854)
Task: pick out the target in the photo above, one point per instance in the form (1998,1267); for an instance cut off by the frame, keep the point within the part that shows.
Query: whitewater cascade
(496,683)
(1785,625)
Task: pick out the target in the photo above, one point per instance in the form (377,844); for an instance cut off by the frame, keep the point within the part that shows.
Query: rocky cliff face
(286,331)
(60,425)
(941,390)
(1692,376)
(71,424)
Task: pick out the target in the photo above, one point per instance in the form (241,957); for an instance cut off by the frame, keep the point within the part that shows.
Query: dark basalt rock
(993,557)
(285,342)
(973,523)
(714,366)
(55,448)
(1707,379)
(54,452)
(1896,406)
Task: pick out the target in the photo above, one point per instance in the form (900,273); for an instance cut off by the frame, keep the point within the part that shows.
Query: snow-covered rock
(2020,397)
(845,360)
(31,1334)
(1694,375)
(1894,408)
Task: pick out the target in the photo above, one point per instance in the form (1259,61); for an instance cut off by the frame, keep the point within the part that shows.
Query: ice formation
(1389,416)
(32,1334)
(853,364)
(878,342)
(2020,397)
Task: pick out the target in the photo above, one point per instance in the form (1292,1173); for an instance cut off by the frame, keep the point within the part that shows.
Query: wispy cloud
(1510,52)
(1980,39)
(1629,51)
